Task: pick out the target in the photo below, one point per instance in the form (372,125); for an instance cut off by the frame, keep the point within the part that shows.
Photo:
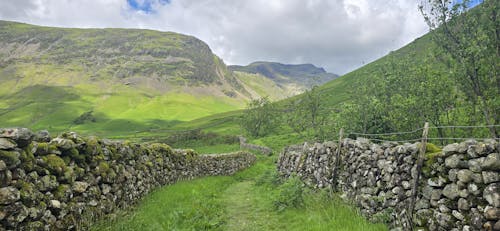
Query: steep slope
(120,79)
(292,79)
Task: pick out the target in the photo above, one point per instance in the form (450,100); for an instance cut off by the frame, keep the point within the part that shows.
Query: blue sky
(146,5)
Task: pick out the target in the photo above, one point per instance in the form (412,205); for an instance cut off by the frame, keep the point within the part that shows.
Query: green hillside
(419,82)
(114,82)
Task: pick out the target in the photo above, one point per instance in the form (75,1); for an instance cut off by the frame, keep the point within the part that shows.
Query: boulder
(42,136)
(9,195)
(22,136)
(455,161)
(450,149)
(7,144)
(463,205)
(492,194)
(80,186)
(63,144)
(47,183)
(490,177)
(491,162)
(451,191)
(492,214)
(464,175)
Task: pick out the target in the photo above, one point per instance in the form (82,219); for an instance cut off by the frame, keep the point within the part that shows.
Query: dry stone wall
(67,182)
(459,187)
(246,146)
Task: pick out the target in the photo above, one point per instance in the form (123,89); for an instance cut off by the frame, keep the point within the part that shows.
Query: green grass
(235,203)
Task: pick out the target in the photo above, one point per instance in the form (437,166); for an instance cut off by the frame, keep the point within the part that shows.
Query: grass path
(245,212)
(236,203)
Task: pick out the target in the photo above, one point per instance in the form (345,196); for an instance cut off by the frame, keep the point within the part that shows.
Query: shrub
(290,194)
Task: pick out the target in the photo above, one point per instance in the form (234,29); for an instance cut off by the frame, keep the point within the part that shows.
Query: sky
(339,35)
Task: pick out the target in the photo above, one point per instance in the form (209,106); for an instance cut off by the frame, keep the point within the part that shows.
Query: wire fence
(415,135)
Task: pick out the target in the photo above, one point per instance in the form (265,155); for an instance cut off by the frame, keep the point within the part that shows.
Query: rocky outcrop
(459,188)
(69,181)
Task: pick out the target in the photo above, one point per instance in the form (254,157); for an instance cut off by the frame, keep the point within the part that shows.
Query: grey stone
(464,175)
(42,136)
(7,144)
(473,189)
(492,214)
(63,144)
(496,227)
(422,204)
(452,175)
(47,183)
(22,136)
(458,215)
(463,205)
(492,194)
(406,185)
(476,219)
(93,203)
(444,220)
(451,191)
(9,195)
(476,150)
(450,149)
(80,186)
(18,216)
(477,178)
(490,177)
(55,204)
(436,182)
(491,162)
(463,193)
(436,194)
(3,166)
(475,164)
(455,161)
(444,209)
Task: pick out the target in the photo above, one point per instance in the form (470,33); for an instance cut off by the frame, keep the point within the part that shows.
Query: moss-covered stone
(44,148)
(27,160)
(62,192)
(73,154)
(55,164)
(11,158)
(69,175)
(102,168)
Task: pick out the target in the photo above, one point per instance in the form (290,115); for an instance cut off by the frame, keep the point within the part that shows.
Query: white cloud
(339,35)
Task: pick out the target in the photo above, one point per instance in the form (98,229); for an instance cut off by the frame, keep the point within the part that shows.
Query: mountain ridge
(123,78)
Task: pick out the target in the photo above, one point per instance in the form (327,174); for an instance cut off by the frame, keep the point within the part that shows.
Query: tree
(471,38)
(307,114)
(259,117)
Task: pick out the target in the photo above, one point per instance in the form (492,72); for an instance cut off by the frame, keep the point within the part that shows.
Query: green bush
(290,194)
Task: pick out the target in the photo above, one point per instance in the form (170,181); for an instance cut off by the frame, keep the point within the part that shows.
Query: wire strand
(481,126)
(382,134)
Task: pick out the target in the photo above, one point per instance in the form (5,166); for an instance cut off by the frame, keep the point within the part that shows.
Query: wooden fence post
(420,161)
(337,161)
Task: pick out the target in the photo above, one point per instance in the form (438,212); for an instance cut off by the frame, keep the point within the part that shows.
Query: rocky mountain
(293,78)
(120,79)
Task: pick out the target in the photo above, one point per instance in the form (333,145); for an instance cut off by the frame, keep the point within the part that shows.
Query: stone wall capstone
(459,188)
(68,182)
